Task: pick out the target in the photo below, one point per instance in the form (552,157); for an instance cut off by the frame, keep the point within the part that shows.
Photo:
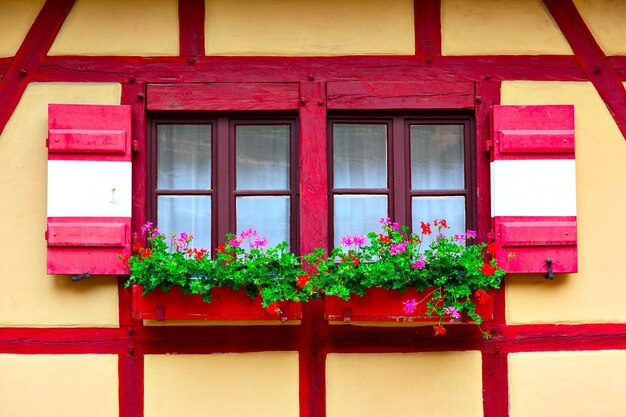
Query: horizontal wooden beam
(291,69)
(223,96)
(374,95)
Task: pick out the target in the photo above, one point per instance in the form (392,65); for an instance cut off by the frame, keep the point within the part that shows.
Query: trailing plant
(454,271)
(245,262)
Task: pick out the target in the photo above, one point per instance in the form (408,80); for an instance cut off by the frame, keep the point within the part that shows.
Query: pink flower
(420,263)
(396,249)
(147,228)
(235,241)
(258,243)
(459,238)
(347,240)
(452,312)
(471,234)
(385,221)
(396,226)
(409,306)
(359,240)
(248,233)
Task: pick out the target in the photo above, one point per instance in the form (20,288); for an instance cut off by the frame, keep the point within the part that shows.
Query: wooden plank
(223,96)
(191,28)
(93,234)
(427,20)
(30,55)
(375,95)
(295,69)
(495,384)
(591,58)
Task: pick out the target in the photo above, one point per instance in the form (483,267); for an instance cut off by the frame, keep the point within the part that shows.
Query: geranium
(439,330)
(426,228)
(409,306)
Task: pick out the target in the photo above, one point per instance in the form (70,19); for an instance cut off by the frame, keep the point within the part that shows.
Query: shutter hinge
(134,145)
(134,237)
(47,142)
(488,145)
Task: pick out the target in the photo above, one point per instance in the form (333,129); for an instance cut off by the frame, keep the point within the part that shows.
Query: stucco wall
(16,16)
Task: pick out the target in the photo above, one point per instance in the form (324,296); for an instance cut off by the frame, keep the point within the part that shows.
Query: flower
(441,223)
(385,221)
(409,306)
(420,263)
(258,243)
(481,296)
(355,259)
(383,238)
(397,248)
(426,228)
(459,238)
(248,233)
(396,226)
(235,241)
(359,240)
(439,330)
(493,247)
(347,240)
(146,253)
(147,228)
(137,247)
(303,279)
(453,312)
(220,248)
(273,308)
(125,259)
(471,234)
(488,270)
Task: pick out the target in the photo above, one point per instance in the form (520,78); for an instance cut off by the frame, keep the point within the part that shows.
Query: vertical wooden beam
(495,384)
(191,27)
(130,369)
(591,58)
(427,20)
(30,56)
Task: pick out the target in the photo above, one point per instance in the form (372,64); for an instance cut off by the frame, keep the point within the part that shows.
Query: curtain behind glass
(184,157)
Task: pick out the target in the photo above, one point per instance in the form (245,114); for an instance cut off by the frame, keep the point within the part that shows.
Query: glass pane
(359,156)
(269,216)
(186,214)
(357,214)
(437,157)
(184,160)
(427,209)
(262,157)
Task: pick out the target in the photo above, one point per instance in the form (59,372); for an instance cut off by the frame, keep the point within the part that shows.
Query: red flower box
(225,304)
(379,304)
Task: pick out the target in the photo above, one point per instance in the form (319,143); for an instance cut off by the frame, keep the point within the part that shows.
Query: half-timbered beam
(30,55)
(191,27)
(427,21)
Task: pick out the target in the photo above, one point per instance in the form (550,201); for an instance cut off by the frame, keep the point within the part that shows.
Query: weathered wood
(24,66)
(287,69)
(223,96)
(555,337)
(191,27)
(375,95)
(130,384)
(427,20)
(591,58)
(495,384)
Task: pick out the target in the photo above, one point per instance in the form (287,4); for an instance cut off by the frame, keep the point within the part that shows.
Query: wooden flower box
(225,304)
(379,304)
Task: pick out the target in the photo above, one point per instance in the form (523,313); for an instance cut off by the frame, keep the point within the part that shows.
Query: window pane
(357,214)
(186,214)
(268,215)
(184,160)
(262,157)
(427,209)
(359,155)
(437,157)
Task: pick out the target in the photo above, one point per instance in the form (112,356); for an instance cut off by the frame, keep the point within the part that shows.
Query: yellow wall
(303,27)
(58,385)
(499,27)
(29,297)
(225,385)
(433,384)
(572,384)
(596,292)
(16,16)
(119,27)
(607,21)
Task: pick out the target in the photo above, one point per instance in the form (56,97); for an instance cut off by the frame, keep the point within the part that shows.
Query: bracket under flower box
(225,304)
(379,304)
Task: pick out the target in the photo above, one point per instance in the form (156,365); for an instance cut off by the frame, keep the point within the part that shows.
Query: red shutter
(533,188)
(89,189)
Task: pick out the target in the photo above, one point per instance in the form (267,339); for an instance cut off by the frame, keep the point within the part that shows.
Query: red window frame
(223,190)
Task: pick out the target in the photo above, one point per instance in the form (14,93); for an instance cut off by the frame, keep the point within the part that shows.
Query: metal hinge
(488,145)
(491,236)
(134,237)
(134,145)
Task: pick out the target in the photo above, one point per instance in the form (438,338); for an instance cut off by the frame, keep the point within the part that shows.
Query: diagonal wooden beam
(30,56)
(591,58)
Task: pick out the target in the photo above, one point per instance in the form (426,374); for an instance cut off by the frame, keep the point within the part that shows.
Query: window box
(225,304)
(382,305)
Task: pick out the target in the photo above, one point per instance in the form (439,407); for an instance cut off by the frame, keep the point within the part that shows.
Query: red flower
(355,259)
(481,296)
(137,247)
(488,270)
(146,253)
(441,223)
(220,248)
(383,238)
(199,254)
(426,228)
(415,240)
(125,259)
(303,279)
(439,330)
(493,247)
(273,308)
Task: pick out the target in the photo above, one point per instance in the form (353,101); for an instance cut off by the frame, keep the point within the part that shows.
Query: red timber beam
(591,58)
(191,28)
(296,69)
(427,21)
(30,56)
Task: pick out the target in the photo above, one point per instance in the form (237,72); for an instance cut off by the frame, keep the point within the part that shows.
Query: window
(212,176)
(408,168)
